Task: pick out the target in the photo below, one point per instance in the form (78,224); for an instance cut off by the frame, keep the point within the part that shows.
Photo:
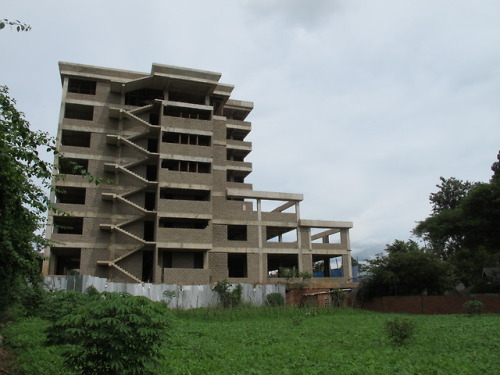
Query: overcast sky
(359,105)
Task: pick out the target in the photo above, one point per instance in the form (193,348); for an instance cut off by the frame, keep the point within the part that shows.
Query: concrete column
(346,259)
(259,219)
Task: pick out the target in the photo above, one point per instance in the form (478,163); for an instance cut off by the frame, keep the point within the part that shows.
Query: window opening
(67,260)
(234,176)
(151,173)
(71,195)
(183,223)
(79,111)
(186,112)
(186,139)
(234,155)
(75,138)
(282,265)
(237,232)
(150,201)
(235,134)
(237,265)
(81,86)
(68,225)
(326,266)
(154,119)
(217,104)
(73,166)
(322,235)
(147,266)
(149,230)
(281,234)
(152,145)
(185,194)
(185,166)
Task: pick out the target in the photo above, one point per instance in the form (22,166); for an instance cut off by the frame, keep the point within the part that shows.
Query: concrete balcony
(239,165)
(238,145)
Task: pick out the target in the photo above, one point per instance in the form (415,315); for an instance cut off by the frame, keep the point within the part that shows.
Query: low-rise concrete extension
(179,208)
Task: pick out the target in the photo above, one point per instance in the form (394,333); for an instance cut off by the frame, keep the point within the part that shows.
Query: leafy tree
(496,170)
(464,225)
(406,269)
(24,180)
(399,246)
(441,234)
(113,334)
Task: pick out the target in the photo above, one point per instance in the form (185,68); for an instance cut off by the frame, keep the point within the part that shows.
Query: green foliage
(61,303)
(228,297)
(112,333)
(473,307)
(18,25)
(405,270)
(26,338)
(287,341)
(25,180)
(400,330)
(275,299)
(463,228)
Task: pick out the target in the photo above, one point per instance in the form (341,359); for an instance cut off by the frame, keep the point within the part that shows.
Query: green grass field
(298,341)
(328,341)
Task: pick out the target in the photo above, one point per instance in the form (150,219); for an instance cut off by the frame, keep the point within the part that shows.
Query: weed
(275,299)
(228,298)
(399,330)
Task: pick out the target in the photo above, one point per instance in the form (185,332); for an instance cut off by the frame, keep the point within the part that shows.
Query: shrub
(275,299)
(113,333)
(60,303)
(400,330)
(228,298)
(473,307)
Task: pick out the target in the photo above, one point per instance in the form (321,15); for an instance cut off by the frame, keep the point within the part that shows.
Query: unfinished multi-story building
(177,207)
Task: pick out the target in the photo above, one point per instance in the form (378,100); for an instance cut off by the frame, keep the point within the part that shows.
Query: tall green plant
(113,334)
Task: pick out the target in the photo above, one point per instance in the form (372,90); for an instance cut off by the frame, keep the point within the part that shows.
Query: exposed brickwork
(127,218)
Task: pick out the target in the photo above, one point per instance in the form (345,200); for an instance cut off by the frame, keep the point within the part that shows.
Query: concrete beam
(266,195)
(326,224)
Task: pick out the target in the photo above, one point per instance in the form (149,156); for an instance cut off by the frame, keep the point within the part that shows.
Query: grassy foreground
(328,341)
(296,341)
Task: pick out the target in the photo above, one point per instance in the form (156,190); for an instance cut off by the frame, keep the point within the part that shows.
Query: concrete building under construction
(177,207)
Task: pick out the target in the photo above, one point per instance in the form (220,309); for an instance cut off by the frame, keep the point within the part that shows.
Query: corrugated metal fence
(177,296)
